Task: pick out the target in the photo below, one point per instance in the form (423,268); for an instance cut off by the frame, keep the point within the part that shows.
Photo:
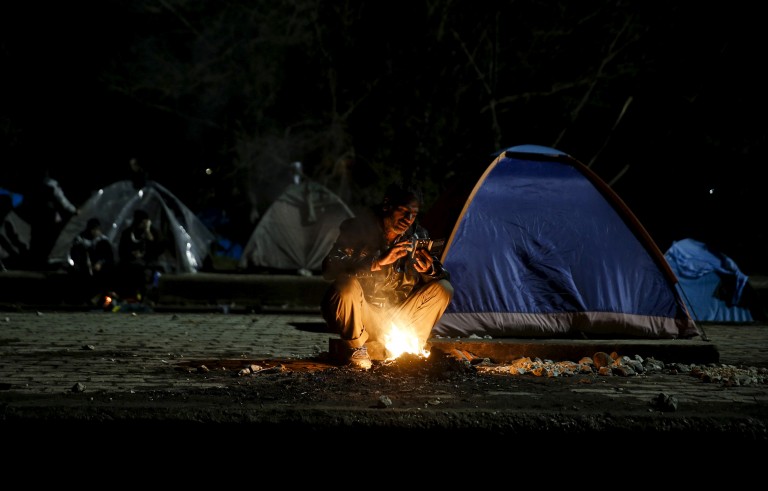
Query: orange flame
(398,341)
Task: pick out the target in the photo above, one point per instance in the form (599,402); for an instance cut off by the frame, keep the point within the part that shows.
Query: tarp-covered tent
(714,288)
(190,240)
(544,248)
(296,231)
(15,233)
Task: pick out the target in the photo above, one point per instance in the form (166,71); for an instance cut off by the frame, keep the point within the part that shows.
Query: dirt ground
(289,410)
(567,400)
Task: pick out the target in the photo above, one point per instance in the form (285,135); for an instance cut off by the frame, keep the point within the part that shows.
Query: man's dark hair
(92,224)
(139,215)
(398,194)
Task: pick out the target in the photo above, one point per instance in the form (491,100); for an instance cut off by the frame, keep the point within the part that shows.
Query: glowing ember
(399,341)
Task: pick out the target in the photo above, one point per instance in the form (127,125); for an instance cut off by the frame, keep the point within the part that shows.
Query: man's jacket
(360,243)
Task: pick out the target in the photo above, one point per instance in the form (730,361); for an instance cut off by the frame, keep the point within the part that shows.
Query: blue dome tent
(544,248)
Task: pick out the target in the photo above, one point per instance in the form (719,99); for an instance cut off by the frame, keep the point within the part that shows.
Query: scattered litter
(384,402)
(275,369)
(665,402)
(254,369)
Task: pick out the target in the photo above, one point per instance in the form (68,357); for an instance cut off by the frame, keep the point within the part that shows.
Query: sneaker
(359,358)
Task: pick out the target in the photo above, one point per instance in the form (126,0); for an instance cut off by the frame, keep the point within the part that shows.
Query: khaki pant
(347,312)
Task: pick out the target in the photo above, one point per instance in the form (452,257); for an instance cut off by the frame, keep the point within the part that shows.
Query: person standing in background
(48,211)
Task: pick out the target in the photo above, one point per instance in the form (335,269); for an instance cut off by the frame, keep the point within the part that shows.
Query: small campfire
(399,341)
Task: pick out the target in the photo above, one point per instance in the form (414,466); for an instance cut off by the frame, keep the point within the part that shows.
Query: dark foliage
(216,99)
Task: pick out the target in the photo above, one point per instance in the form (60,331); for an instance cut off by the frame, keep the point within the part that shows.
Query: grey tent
(114,205)
(14,241)
(296,231)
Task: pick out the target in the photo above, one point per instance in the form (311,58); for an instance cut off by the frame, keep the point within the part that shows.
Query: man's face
(402,217)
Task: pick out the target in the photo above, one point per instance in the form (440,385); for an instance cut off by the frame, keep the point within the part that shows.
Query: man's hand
(148,230)
(396,252)
(422,261)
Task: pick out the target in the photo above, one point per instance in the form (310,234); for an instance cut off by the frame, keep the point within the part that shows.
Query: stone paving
(138,407)
(50,352)
(45,352)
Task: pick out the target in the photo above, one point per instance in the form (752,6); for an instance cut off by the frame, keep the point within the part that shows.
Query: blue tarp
(16,198)
(713,285)
(544,249)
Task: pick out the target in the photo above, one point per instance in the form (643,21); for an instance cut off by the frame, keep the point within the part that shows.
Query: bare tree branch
(611,53)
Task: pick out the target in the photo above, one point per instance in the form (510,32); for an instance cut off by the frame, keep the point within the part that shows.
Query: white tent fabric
(20,228)
(297,230)
(114,205)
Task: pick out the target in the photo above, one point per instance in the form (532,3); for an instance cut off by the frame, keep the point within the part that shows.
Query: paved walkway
(53,365)
(83,369)
(49,352)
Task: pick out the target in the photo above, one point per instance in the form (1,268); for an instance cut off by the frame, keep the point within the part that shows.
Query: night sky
(670,97)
